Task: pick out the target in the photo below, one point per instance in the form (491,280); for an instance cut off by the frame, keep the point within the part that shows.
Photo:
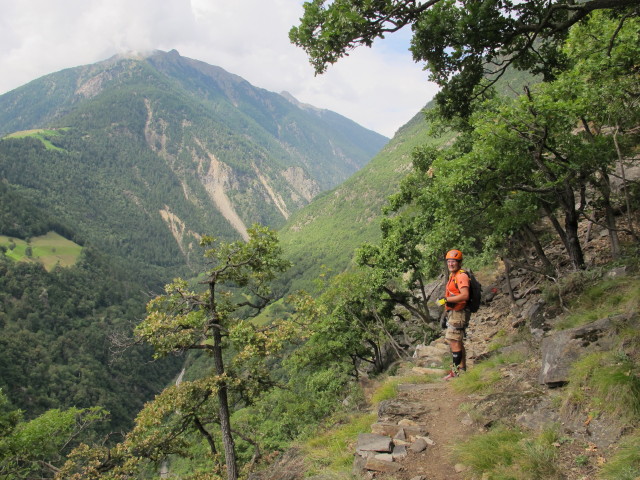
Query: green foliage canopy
(550,149)
(462,42)
(36,448)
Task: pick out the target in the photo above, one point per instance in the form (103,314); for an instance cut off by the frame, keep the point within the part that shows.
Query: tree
(184,320)
(549,152)
(398,261)
(217,321)
(350,322)
(604,51)
(35,448)
(462,42)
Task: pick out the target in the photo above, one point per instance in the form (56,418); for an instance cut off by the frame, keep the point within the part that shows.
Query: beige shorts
(456,323)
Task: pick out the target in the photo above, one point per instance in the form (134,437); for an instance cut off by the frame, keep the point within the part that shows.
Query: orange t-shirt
(456,281)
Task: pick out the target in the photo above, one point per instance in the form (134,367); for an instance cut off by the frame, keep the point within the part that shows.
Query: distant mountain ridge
(174,145)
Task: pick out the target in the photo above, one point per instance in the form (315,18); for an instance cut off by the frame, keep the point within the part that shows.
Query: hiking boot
(450,375)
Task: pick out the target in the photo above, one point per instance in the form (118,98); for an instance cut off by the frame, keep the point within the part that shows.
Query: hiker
(457,316)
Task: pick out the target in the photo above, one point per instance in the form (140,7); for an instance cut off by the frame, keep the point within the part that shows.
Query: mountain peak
(286,95)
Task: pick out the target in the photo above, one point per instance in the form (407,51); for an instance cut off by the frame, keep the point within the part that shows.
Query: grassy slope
(50,250)
(324,235)
(41,134)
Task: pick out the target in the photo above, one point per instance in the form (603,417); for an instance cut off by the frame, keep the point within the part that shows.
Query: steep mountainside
(57,325)
(325,233)
(168,148)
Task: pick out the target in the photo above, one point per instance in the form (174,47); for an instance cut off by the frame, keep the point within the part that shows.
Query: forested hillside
(56,328)
(133,161)
(321,238)
(144,155)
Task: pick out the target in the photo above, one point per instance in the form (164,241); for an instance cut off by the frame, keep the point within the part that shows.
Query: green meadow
(43,135)
(50,250)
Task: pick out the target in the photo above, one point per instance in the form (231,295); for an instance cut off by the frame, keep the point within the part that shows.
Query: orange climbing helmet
(454,255)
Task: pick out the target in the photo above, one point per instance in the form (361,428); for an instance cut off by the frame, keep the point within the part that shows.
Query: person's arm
(462,297)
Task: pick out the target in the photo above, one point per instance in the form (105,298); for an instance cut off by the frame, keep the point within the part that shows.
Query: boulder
(534,314)
(385,428)
(401,435)
(430,355)
(617,272)
(562,349)
(428,440)
(399,452)
(433,350)
(419,445)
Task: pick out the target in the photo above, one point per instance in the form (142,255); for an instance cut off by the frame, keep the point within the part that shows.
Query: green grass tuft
(484,376)
(625,463)
(507,453)
(389,389)
(600,299)
(605,382)
(332,451)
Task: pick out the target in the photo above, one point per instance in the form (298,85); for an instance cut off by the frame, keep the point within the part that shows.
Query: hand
(441,301)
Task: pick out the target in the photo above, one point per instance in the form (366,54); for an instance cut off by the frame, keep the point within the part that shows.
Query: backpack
(475,292)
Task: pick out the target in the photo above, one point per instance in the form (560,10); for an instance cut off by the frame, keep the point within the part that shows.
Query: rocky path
(446,425)
(422,424)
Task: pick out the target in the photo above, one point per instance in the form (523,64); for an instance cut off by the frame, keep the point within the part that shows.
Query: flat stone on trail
(381,466)
(420,445)
(372,442)
(392,430)
(386,457)
(399,452)
(396,410)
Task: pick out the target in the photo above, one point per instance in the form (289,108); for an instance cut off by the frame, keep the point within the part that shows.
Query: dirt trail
(447,422)
(447,426)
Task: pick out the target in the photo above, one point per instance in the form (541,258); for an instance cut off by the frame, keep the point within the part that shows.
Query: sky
(381,88)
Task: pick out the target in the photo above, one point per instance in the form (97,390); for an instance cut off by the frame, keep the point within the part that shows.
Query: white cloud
(380,88)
